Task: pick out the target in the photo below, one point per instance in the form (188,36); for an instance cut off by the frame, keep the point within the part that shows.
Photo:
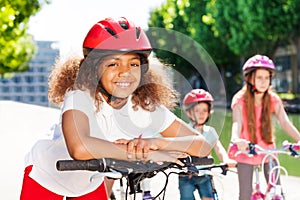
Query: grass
(222,119)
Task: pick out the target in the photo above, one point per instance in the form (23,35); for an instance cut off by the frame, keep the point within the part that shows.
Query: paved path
(22,124)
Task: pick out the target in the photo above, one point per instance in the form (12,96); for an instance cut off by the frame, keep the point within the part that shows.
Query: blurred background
(35,33)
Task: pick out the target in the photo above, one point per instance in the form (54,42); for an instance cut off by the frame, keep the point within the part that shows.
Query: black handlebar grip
(202,160)
(91,165)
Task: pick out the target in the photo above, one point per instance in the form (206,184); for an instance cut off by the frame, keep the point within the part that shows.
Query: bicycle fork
(214,190)
(274,191)
(257,194)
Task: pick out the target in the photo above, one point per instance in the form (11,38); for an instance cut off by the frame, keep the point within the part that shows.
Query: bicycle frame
(273,189)
(207,169)
(257,193)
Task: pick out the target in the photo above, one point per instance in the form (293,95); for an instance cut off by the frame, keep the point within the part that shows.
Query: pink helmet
(258,61)
(195,96)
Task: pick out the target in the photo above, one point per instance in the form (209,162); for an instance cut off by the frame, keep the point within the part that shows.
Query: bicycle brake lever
(112,175)
(189,165)
(192,170)
(293,151)
(252,149)
(224,170)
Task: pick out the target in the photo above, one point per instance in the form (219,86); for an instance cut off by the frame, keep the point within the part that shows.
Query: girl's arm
(220,151)
(237,129)
(81,146)
(285,122)
(180,137)
(222,154)
(236,122)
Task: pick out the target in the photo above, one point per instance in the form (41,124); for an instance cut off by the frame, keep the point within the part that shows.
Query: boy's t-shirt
(209,133)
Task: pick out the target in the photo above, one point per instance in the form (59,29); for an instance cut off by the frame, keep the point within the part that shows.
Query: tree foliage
(232,30)
(17,46)
(250,27)
(168,16)
(190,17)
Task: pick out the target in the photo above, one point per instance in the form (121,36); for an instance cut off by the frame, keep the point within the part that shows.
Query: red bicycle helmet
(258,61)
(117,35)
(195,96)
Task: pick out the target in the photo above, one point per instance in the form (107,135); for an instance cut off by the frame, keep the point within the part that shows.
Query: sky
(68,21)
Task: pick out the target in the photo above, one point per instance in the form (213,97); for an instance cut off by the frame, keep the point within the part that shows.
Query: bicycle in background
(208,169)
(274,190)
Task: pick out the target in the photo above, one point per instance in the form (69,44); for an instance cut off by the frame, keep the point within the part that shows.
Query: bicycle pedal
(147,195)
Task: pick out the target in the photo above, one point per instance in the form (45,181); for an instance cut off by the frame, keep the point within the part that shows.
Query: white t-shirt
(209,134)
(108,124)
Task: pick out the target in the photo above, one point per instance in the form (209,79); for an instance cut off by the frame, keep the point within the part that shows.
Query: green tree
(249,26)
(191,18)
(17,46)
(232,30)
(168,16)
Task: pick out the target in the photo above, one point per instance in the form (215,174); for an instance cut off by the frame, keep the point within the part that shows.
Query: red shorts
(31,190)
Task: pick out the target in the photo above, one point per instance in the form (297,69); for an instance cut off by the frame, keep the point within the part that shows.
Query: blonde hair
(78,73)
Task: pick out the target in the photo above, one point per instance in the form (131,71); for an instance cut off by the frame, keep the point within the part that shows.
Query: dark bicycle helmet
(195,96)
(117,35)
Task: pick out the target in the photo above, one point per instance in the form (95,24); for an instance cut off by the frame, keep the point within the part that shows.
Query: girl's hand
(242,144)
(167,156)
(138,148)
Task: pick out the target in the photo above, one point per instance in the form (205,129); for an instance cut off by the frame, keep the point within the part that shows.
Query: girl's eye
(135,64)
(112,65)
(260,78)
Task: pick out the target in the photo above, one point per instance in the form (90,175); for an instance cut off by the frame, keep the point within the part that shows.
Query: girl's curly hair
(79,73)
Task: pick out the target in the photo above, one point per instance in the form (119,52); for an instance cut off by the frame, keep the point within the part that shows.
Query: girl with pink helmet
(252,110)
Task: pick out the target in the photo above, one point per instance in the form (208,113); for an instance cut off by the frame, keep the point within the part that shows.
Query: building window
(283,81)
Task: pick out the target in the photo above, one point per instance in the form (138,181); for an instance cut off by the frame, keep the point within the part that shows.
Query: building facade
(288,71)
(32,86)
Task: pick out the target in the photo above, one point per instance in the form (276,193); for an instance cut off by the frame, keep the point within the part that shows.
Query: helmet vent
(124,25)
(111,32)
(138,33)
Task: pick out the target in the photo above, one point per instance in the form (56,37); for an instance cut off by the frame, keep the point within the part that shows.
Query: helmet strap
(195,122)
(253,89)
(109,96)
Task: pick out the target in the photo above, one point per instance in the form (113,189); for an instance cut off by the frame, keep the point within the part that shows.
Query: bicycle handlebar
(126,167)
(91,165)
(222,166)
(134,171)
(292,149)
(287,148)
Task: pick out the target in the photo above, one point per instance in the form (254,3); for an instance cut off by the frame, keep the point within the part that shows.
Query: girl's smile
(120,74)
(123,84)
